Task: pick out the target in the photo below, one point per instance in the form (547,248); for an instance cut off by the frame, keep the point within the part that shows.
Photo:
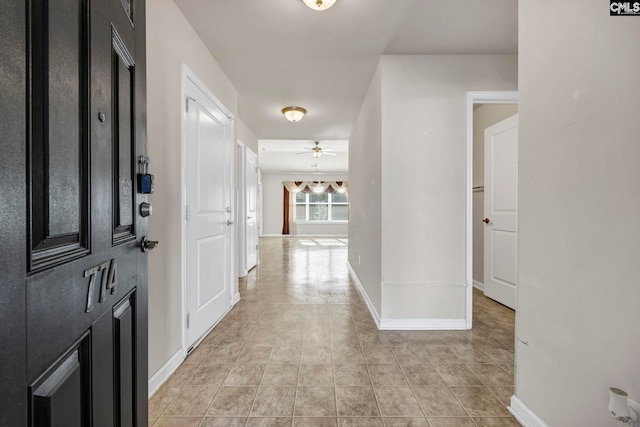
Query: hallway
(301,349)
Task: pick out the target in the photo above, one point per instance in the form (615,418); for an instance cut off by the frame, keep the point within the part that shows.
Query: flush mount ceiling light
(293,114)
(319,4)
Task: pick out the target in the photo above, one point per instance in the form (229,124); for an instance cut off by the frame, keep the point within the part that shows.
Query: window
(324,206)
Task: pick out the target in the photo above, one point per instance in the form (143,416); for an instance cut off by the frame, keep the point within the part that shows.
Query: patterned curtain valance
(317,186)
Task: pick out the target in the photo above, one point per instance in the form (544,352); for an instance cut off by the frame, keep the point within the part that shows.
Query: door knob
(229,222)
(486,220)
(146,245)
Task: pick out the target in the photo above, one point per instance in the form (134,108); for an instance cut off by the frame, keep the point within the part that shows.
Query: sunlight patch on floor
(323,242)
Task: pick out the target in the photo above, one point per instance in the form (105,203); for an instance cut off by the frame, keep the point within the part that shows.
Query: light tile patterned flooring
(301,349)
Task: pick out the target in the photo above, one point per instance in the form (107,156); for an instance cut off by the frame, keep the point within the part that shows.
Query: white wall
(423,179)
(579,210)
(484,116)
(365,192)
(171,41)
(272,203)
(248,138)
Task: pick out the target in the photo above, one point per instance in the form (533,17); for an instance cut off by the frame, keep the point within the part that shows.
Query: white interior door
(501,210)
(208,226)
(251,180)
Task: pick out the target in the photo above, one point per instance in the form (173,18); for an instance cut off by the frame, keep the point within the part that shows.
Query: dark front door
(73,278)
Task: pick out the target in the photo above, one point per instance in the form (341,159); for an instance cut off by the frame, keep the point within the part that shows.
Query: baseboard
(524,415)
(365,296)
(322,236)
(478,285)
(163,374)
(235,299)
(319,236)
(423,324)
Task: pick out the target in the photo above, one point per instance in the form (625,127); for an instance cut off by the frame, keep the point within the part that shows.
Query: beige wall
(484,116)
(423,185)
(407,184)
(272,203)
(365,193)
(171,42)
(579,210)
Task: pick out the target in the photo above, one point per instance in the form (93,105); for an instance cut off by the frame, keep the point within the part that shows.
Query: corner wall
(171,41)
(579,211)
(424,182)
(248,138)
(365,194)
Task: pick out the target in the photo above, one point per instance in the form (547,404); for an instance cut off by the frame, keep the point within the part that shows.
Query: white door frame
(249,152)
(241,208)
(488,97)
(187,74)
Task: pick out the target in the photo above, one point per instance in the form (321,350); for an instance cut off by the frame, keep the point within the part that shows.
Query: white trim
(187,74)
(163,374)
(319,236)
(524,415)
(365,296)
(423,324)
(235,299)
(241,213)
(322,222)
(487,97)
(478,285)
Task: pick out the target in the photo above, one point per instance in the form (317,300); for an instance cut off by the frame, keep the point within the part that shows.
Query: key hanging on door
(145,179)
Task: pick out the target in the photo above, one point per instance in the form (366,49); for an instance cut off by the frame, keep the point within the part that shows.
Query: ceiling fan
(318,151)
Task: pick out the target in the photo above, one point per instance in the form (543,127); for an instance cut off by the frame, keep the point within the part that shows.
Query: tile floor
(300,349)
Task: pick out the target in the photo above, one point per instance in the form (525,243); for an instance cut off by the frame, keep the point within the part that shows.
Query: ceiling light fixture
(319,4)
(294,114)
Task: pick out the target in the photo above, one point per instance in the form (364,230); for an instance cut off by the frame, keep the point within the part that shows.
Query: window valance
(317,186)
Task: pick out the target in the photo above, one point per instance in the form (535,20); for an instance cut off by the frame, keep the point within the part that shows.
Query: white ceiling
(277,155)
(279,52)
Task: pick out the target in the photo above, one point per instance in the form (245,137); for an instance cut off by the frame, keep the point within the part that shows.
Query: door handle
(146,245)
(229,222)
(486,220)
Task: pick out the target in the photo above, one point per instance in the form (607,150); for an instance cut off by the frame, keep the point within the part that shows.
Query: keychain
(145,179)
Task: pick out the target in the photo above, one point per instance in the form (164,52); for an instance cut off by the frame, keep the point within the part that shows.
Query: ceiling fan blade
(303,152)
(328,154)
(328,149)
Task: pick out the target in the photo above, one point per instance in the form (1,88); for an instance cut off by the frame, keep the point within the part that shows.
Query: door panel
(58,400)
(208,228)
(77,281)
(58,167)
(252,209)
(501,214)
(124,339)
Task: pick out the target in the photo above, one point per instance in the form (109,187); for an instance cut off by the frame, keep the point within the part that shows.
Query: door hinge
(256,247)
(187,321)
(187,213)
(186,105)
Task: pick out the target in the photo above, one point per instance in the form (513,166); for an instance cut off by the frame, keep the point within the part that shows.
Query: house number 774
(108,272)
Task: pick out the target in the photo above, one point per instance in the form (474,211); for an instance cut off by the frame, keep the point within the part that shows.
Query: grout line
(333,366)
(259,297)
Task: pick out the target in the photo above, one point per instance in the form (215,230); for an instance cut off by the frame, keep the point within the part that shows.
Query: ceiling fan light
(293,114)
(317,153)
(319,4)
